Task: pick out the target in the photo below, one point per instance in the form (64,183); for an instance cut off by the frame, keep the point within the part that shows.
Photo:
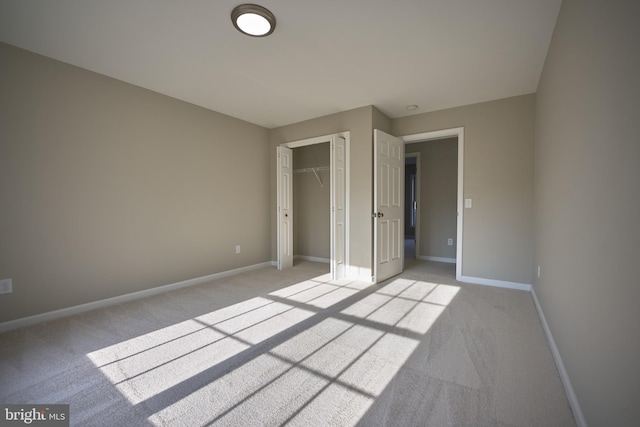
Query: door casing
(442,134)
(339,270)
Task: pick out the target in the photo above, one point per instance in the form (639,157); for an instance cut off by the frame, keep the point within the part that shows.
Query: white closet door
(338,207)
(285,207)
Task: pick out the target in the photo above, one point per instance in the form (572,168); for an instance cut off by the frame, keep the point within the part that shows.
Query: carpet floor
(295,348)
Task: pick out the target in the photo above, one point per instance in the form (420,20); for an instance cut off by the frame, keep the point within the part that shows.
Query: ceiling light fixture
(253,20)
(412,107)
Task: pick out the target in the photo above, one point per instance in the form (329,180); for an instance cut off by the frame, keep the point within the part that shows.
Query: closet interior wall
(311,202)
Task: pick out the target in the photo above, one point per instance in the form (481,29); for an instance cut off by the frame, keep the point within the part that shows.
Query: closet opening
(313,202)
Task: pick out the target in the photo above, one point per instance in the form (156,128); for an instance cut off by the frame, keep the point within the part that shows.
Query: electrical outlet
(6,287)
(237,249)
(450,242)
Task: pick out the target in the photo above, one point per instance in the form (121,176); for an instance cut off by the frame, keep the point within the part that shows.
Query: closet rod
(315,172)
(318,169)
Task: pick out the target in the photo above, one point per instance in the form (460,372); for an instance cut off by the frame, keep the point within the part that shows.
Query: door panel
(338,207)
(285,207)
(388,203)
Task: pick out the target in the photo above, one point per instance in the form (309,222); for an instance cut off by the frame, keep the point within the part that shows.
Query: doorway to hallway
(411,214)
(439,218)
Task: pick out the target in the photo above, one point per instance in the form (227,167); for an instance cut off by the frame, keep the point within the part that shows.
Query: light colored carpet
(275,348)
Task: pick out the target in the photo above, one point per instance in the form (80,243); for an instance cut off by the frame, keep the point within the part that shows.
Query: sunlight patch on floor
(325,351)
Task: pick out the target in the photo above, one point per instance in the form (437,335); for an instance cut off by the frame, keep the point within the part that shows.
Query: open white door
(388,205)
(338,207)
(285,207)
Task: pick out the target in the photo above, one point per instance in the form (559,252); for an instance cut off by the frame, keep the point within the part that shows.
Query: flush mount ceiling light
(253,20)
(411,107)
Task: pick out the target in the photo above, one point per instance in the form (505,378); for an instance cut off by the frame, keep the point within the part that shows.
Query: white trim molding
(564,375)
(436,259)
(312,259)
(65,312)
(496,283)
(361,274)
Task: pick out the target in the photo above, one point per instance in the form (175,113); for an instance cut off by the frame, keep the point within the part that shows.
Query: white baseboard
(312,258)
(361,274)
(497,283)
(436,258)
(564,375)
(65,312)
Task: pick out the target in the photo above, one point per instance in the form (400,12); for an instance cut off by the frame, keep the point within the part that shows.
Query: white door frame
(443,134)
(320,140)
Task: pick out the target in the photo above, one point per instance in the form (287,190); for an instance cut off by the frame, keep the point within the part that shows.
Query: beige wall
(587,193)
(380,121)
(111,189)
(359,123)
(312,202)
(107,188)
(498,177)
(438,196)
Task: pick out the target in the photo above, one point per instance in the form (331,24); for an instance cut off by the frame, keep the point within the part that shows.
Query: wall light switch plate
(6,286)
(450,242)
(237,249)
(468,203)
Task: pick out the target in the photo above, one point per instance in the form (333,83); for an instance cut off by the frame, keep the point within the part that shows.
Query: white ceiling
(325,56)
